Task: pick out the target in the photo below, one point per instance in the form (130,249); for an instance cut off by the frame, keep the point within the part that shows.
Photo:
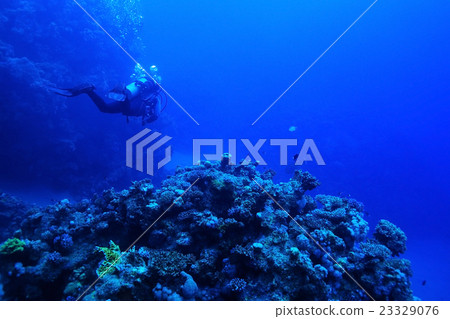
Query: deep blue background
(376,104)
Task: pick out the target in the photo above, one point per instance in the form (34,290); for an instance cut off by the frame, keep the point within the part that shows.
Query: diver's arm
(158,106)
(152,112)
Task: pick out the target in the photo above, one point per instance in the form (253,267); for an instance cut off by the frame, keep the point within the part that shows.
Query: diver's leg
(114,107)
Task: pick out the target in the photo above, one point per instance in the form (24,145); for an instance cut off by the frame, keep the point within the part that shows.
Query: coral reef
(391,236)
(11,212)
(225,239)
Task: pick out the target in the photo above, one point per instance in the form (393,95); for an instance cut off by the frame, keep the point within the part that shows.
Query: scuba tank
(117,94)
(132,90)
(142,82)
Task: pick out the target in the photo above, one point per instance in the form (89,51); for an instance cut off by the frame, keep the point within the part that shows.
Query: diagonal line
(134,242)
(134,60)
(315,241)
(317,60)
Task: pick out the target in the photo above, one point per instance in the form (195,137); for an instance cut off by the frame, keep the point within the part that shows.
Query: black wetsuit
(146,104)
(113,107)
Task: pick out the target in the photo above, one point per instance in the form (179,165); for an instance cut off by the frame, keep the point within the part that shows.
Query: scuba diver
(141,98)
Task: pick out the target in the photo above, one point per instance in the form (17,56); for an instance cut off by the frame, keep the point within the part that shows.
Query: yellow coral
(12,246)
(112,255)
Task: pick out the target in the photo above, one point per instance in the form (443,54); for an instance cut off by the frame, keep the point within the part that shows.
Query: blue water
(376,104)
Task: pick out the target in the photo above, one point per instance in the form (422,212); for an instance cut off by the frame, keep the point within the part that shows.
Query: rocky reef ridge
(223,239)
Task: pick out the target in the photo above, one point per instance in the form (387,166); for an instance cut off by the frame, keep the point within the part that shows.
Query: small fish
(424,283)
(295,157)
(292,128)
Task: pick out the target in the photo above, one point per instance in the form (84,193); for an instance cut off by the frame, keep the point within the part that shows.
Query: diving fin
(80,89)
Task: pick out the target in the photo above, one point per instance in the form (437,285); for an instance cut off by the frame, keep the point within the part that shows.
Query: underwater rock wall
(223,239)
(44,43)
